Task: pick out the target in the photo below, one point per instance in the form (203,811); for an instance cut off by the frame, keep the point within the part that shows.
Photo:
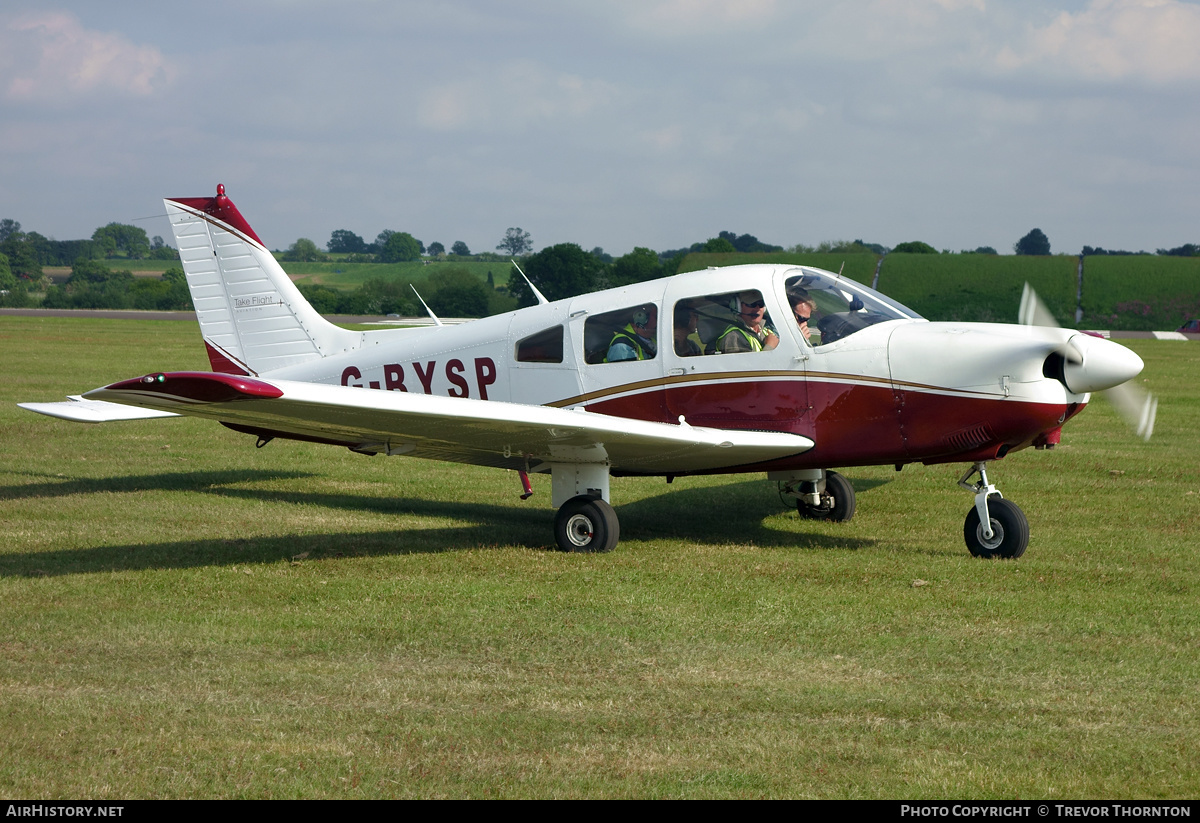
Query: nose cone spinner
(1094,364)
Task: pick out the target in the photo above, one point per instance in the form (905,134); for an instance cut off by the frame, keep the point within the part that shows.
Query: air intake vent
(968,439)
(1055,367)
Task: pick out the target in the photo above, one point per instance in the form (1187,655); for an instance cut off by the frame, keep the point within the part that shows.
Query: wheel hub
(997,538)
(579,530)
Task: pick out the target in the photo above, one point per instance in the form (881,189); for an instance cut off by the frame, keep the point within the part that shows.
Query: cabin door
(750,389)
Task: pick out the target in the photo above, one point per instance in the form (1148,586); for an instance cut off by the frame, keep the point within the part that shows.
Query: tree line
(558,271)
(23,255)
(93,285)
(399,247)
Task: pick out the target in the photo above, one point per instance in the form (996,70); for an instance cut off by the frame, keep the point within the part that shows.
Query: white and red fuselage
(785,369)
(897,392)
(882,386)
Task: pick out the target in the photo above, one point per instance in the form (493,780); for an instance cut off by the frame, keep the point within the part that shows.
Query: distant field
(140,268)
(353,275)
(1134,293)
(335,275)
(860,267)
(185,615)
(1142,293)
(968,287)
(977,287)
(143,266)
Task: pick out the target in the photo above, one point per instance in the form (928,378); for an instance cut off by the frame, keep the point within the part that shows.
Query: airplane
(862,381)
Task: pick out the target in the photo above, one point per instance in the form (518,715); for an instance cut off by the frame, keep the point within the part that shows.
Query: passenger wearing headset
(636,340)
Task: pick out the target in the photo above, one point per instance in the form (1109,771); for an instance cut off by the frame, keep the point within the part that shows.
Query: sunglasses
(802,318)
(757,304)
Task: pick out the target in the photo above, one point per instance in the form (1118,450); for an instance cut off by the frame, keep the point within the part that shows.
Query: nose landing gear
(994,527)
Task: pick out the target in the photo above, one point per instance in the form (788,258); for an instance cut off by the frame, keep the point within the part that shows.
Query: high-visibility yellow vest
(628,335)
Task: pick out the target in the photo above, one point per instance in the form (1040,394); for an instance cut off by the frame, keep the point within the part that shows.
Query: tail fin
(252,317)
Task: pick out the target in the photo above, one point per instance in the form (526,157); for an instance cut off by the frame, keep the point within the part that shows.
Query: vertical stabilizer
(252,317)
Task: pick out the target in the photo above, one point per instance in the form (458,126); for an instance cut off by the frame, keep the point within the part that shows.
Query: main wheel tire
(1010,530)
(837,501)
(586,524)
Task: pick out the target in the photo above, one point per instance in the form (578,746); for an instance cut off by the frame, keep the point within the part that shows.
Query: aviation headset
(641,317)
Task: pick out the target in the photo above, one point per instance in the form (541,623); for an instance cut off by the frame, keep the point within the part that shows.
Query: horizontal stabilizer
(80,410)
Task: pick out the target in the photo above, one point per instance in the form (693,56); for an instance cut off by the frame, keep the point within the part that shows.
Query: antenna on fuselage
(840,269)
(426,305)
(541,298)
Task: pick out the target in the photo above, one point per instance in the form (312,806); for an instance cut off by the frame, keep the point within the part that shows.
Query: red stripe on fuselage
(851,423)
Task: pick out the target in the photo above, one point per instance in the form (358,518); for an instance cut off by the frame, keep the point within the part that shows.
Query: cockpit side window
(727,323)
(622,335)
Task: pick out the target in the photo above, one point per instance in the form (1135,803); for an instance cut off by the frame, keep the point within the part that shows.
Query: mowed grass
(183,615)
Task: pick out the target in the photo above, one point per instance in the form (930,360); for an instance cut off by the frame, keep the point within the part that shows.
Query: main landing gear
(585,521)
(818,494)
(1006,533)
(586,524)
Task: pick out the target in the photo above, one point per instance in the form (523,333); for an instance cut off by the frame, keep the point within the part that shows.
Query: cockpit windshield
(829,307)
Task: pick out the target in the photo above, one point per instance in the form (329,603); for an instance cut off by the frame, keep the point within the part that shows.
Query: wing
(483,432)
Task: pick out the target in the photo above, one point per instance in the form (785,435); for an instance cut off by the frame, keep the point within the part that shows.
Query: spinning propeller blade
(1136,406)
(1033,311)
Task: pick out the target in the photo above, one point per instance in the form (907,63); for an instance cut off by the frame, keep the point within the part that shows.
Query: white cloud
(693,16)
(663,140)
(1149,40)
(49,56)
(512,96)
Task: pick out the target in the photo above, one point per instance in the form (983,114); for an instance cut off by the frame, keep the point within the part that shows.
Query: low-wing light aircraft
(678,376)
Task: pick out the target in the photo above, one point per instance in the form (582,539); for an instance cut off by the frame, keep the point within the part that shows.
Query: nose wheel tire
(837,501)
(1010,530)
(586,524)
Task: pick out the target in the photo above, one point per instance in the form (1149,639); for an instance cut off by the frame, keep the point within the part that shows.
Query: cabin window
(543,347)
(623,335)
(726,323)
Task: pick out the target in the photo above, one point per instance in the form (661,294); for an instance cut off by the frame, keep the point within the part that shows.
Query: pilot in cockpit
(750,332)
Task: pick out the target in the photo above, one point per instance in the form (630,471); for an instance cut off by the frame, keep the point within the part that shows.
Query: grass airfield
(187,616)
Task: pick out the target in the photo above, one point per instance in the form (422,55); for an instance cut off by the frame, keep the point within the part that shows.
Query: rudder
(252,317)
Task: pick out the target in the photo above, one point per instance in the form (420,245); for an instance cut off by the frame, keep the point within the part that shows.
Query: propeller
(1093,364)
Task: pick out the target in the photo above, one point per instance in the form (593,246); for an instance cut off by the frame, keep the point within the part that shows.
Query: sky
(655,123)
